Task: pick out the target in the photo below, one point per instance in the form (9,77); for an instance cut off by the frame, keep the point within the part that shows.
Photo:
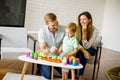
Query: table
(44,62)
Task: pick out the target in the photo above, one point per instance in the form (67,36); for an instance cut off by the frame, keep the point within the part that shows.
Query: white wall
(66,11)
(111,25)
(106,16)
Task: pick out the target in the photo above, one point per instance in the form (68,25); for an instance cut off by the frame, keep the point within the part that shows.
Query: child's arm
(72,53)
(60,49)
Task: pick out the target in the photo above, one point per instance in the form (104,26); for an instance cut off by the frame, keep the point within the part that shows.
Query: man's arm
(42,46)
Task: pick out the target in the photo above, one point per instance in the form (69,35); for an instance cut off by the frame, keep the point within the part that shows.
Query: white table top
(44,62)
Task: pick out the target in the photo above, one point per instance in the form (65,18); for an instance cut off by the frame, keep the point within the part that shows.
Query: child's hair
(72,27)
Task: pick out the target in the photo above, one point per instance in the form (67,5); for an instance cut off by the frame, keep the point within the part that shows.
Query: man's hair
(49,17)
(72,26)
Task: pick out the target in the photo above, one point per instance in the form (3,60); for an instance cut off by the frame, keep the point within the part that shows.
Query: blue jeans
(83,60)
(46,70)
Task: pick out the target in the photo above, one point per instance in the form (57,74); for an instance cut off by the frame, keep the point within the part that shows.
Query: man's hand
(53,49)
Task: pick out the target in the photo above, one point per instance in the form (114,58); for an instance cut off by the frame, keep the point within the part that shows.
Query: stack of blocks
(71,61)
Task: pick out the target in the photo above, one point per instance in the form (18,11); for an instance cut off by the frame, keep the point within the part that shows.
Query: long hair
(89,27)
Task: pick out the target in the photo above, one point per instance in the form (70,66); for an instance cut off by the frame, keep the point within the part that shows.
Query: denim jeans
(83,60)
(46,70)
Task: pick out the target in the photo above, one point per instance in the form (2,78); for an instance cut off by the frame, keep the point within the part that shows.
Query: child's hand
(60,50)
(66,55)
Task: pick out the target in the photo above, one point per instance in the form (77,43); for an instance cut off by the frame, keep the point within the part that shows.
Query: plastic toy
(28,54)
(64,61)
(71,61)
(32,55)
(43,56)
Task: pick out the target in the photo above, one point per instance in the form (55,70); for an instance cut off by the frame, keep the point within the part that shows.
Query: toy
(32,55)
(64,61)
(43,56)
(71,61)
(35,56)
(28,54)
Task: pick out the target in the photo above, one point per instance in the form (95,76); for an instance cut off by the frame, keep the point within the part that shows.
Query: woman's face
(84,20)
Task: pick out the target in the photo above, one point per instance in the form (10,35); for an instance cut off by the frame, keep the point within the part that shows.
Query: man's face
(53,26)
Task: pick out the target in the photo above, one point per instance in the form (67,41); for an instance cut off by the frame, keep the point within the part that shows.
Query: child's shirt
(69,44)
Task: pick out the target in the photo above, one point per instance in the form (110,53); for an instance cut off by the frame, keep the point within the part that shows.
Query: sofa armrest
(0,44)
(0,37)
(34,39)
(31,37)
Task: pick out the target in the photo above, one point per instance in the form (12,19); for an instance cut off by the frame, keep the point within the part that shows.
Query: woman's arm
(84,34)
(87,44)
(85,53)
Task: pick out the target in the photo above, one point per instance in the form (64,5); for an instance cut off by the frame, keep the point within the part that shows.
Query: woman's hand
(84,26)
(87,55)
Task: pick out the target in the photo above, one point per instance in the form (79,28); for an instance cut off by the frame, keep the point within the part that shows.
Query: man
(50,38)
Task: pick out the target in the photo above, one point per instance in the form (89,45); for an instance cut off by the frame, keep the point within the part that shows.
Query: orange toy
(50,58)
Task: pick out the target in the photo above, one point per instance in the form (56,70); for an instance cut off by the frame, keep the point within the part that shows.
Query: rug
(114,73)
(15,76)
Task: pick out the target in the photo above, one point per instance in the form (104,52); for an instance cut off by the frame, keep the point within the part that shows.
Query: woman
(86,36)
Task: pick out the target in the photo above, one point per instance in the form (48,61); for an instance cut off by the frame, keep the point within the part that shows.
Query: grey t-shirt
(44,35)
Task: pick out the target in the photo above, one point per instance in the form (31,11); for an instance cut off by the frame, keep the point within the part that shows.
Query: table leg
(73,74)
(52,75)
(24,69)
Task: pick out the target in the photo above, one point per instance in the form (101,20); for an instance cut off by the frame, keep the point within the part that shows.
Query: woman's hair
(49,17)
(72,27)
(89,27)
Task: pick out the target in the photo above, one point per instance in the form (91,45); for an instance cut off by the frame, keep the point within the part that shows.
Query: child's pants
(65,69)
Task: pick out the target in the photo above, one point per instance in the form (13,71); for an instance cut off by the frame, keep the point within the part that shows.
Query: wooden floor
(109,59)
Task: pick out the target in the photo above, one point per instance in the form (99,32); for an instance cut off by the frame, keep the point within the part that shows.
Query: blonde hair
(89,29)
(72,27)
(49,17)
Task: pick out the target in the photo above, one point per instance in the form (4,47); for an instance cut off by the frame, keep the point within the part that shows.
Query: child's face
(69,33)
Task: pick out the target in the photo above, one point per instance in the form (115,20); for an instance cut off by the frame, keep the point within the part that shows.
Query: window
(12,13)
